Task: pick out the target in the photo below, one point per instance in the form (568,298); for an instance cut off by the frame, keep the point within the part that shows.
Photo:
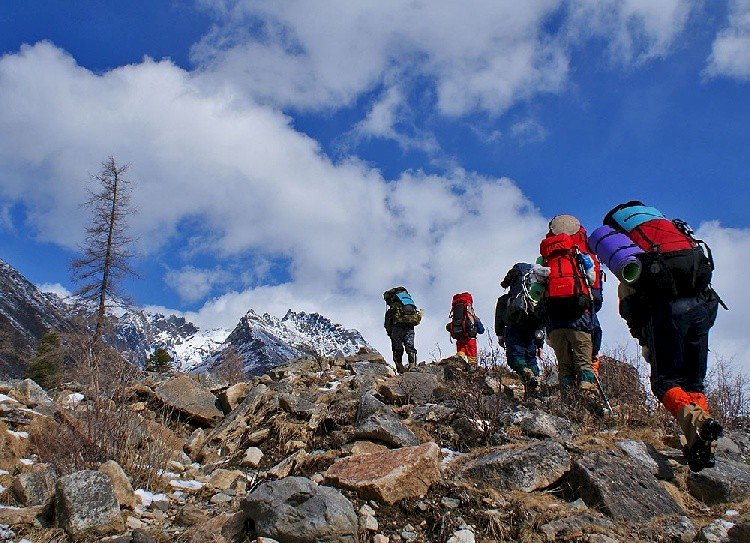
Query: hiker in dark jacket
(519,332)
(669,307)
(399,324)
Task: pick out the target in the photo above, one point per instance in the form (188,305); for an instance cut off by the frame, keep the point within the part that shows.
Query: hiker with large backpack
(518,327)
(401,317)
(464,326)
(668,303)
(572,297)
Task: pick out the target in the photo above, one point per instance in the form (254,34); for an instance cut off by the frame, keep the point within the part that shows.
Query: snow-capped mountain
(265,341)
(262,341)
(26,314)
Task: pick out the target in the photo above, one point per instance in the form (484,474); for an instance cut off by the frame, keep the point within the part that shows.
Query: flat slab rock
(620,488)
(728,481)
(191,399)
(296,510)
(389,476)
(376,421)
(528,468)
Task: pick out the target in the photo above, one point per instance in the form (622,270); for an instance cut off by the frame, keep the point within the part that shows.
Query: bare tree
(107,248)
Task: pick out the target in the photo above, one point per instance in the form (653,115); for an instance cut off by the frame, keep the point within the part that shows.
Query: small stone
(220,498)
(191,515)
(380,538)
(286,466)
(252,458)
(450,503)
(142,536)
(259,436)
(462,536)
(366,447)
(223,479)
(132,523)
(408,533)
(715,532)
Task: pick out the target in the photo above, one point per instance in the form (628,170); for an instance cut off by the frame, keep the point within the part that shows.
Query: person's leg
(471,350)
(461,346)
(558,340)
(397,345)
(581,347)
(411,350)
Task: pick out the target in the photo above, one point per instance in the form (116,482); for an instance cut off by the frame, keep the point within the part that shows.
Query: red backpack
(462,325)
(568,290)
(674,262)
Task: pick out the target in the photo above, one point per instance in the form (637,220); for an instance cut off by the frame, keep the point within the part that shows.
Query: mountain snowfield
(262,340)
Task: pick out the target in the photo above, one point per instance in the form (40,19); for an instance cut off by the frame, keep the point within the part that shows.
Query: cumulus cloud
(194,284)
(55,288)
(730,53)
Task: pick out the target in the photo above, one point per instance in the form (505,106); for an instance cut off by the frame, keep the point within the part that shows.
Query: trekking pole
(582,270)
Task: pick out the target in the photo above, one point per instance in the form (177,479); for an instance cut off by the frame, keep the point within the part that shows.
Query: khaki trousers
(573,350)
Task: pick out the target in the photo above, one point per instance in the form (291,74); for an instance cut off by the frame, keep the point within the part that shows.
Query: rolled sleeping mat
(628,218)
(618,252)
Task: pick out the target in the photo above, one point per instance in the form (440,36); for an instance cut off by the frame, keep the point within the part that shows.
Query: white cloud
(193,284)
(55,288)
(528,131)
(730,53)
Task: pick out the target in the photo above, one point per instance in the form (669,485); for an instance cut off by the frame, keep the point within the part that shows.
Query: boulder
(189,398)
(222,528)
(17,516)
(297,406)
(574,528)
(728,481)
(120,484)
(542,425)
(36,486)
(367,373)
(389,476)
(413,387)
(194,444)
(32,394)
(252,458)
(620,488)
(376,421)
(527,468)
(646,455)
(223,479)
(85,505)
(230,398)
(296,510)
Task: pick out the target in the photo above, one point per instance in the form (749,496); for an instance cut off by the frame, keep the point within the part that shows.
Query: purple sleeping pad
(618,252)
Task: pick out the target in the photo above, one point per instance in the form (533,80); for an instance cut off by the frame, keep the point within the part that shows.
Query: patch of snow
(76,397)
(147,498)
(4,472)
(4,398)
(186,485)
(26,461)
(333,385)
(732,513)
(20,435)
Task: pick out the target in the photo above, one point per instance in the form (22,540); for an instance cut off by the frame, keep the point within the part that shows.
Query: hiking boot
(700,432)
(399,364)
(412,361)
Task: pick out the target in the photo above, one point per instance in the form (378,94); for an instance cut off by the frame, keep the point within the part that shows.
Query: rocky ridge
(341,450)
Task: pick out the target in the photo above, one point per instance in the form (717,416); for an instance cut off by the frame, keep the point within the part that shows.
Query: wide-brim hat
(564,224)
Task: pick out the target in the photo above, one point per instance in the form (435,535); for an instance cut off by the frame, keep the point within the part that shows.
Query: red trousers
(467,346)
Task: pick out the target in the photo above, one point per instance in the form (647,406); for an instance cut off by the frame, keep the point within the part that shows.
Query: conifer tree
(45,365)
(160,361)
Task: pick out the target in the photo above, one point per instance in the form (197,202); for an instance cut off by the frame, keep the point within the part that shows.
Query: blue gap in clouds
(103,35)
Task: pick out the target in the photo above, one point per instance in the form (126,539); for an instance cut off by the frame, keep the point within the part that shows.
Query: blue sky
(310,158)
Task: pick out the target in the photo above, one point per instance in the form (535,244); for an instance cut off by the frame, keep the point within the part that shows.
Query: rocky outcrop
(376,421)
(728,481)
(296,510)
(86,505)
(187,397)
(620,488)
(389,476)
(528,468)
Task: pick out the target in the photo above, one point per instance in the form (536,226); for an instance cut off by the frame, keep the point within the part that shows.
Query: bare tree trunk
(101,313)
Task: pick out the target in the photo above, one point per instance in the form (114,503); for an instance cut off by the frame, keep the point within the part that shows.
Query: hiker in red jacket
(464,326)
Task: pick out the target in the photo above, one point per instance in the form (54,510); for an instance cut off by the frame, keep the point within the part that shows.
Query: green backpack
(405,312)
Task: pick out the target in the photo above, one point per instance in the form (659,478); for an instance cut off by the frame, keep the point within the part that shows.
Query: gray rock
(35,487)
(728,481)
(646,455)
(543,425)
(671,530)
(376,421)
(296,510)
(33,394)
(576,526)
(715,532)
(297,406)
(414,387)
(432,412)
(620,488)
(186,396)
(534,466)
(85,505)
(366,373)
